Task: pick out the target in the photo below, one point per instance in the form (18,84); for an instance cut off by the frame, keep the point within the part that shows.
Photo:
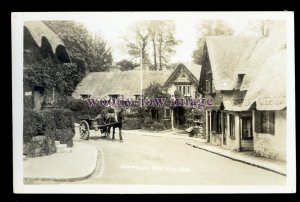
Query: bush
(39,146)
(56,124)
(167,124)
(158,126)
(65,136)
(78,105)
(28,102)
(82,107)
(132,123)
(155,126)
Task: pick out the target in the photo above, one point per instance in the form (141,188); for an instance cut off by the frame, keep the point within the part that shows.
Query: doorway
(247,133)
(179,116)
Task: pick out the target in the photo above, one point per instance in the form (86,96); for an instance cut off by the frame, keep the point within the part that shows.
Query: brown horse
(116,124)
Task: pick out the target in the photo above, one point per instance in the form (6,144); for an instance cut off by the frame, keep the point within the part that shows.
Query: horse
(115,124)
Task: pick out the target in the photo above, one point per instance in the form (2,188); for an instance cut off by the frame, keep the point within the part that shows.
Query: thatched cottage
(246,78)
(113,84)
(40,42)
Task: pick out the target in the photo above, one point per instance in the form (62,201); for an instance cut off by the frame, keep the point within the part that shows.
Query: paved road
(165,161)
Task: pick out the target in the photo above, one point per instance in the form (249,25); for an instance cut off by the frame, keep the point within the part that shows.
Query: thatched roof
(193,70)
(127,83)
(39,32)
(265,80)
(262,61)
(227,54)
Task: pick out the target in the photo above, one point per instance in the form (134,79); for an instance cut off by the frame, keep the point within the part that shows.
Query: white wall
(273,145)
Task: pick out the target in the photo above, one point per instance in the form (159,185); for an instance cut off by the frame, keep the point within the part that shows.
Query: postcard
(153,102)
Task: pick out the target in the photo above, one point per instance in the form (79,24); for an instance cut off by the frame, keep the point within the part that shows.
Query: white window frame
(185,89)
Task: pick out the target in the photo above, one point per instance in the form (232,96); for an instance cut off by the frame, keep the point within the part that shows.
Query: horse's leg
(113,137)
(108,132)
(120,132)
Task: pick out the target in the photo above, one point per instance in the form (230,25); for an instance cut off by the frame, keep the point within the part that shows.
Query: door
(247,135)
(247,128)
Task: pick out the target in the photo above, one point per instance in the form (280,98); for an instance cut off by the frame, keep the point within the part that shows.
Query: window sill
(231,137)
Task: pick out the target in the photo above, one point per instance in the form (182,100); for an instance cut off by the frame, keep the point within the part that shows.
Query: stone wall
(39,146)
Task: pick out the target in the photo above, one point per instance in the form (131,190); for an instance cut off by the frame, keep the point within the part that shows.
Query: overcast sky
(113,31)
(113,25)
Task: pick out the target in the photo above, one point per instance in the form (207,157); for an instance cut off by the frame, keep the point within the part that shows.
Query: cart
(88,123)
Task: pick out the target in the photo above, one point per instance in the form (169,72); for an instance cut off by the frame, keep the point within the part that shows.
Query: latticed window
(184,89)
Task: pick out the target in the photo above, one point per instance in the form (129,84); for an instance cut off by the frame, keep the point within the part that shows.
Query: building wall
(272,146)
(232,143)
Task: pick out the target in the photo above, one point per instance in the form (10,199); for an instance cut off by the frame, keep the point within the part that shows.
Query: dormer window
(184,89)
(114,96)
(137,96)
(85,96)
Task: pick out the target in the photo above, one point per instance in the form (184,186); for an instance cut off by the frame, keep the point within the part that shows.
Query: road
(168,161)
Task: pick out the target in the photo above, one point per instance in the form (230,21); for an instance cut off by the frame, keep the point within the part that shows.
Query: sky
(114,27)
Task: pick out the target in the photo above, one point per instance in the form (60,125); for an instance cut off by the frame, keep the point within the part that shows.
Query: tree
(137,41)
(90,51)
(160,34)
(155,90)
(166,42)
(209,28)
(126,65)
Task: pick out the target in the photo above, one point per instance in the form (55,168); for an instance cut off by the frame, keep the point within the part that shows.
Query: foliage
(160,34)
(137,41)
(155,90)
(56,124)
(127,65)
(62,77)
(91,52)
(83,108)
(155,126)
(178,94)
(209,28)
(132,123)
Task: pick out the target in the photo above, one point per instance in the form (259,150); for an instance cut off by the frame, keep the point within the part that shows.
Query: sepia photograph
(153,102)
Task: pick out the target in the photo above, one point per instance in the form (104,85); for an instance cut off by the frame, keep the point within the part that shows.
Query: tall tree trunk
(160,52)
(160,65)
(154,54)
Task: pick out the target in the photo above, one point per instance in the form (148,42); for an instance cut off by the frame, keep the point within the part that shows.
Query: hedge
(132,123)
(55,124)
(82,107)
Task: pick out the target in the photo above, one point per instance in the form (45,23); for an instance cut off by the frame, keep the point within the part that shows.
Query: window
(247,128)
(167,113)
(85,96)
(231,126)
(264,122)
(137,97)
(184,89)
(114,96)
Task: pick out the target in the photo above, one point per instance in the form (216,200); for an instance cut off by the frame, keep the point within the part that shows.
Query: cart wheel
(84,130)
